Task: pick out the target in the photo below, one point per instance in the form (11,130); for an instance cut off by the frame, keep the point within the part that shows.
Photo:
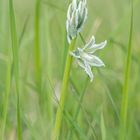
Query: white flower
(76,16)
(85,56)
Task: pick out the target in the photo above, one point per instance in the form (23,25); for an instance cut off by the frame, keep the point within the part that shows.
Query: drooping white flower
(86,58)
(76,16)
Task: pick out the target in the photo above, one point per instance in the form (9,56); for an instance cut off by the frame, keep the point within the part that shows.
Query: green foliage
(33,51)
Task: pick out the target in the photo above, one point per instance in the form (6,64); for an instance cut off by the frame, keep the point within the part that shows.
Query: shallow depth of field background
(99,114)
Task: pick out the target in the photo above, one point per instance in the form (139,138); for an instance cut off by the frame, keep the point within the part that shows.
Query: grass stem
(124,105)
(63,94)
(37,44)
(15,48)
(6,100)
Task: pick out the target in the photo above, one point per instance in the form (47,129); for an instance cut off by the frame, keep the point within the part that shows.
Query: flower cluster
(76,17)
(85,56)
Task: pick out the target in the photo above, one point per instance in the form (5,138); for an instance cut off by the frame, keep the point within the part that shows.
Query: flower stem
(124,105)
(60,109)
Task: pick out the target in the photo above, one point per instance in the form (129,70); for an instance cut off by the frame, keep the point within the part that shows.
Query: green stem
(37,55)
(124,105)
(15,48)
(6,99)
(60,109)
(37,44)
(48,101)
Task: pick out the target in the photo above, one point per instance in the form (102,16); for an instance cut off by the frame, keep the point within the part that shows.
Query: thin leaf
(15,49)
(125,95)
(103,128)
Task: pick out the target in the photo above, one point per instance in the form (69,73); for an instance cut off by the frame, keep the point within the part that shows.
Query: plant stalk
(124,104)
(37,45)
(60,109)
(15,48)
(6,100)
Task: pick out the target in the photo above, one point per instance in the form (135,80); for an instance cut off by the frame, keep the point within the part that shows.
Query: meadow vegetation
(34,55)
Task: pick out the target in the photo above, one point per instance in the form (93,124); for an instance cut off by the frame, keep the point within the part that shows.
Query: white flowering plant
(76,17)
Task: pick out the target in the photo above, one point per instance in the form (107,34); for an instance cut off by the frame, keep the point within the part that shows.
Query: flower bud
(76,17)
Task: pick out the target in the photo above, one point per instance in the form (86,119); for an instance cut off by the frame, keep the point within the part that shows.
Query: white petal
(86,56)
(69,12)
(69,39)
(81,63)
(68,31)
(72,26)
(76,18)
(85,2)
(90,43)
(87,68)
(74,4)
(95,47)
(72,20)
(95,61)
(80,6)
(85,15)
(82,19)
(89,71)
(67,26)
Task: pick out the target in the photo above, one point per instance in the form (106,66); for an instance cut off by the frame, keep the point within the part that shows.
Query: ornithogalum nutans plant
(69,70)
(76,17)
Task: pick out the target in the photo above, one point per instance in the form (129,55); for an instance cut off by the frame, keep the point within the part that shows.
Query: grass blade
(37,44)
(103,128)
(23,30)
(124,104)
(15,48)
(123,48)
(6,100)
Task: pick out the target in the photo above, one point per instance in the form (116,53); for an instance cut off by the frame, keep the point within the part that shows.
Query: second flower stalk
(76,17)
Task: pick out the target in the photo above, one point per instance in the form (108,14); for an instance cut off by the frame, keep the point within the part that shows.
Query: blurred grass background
(99,112)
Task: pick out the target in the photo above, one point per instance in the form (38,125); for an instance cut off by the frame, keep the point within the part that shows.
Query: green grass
(125,93)
(37,44)
(41,97)
(15,51)
(6,99)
